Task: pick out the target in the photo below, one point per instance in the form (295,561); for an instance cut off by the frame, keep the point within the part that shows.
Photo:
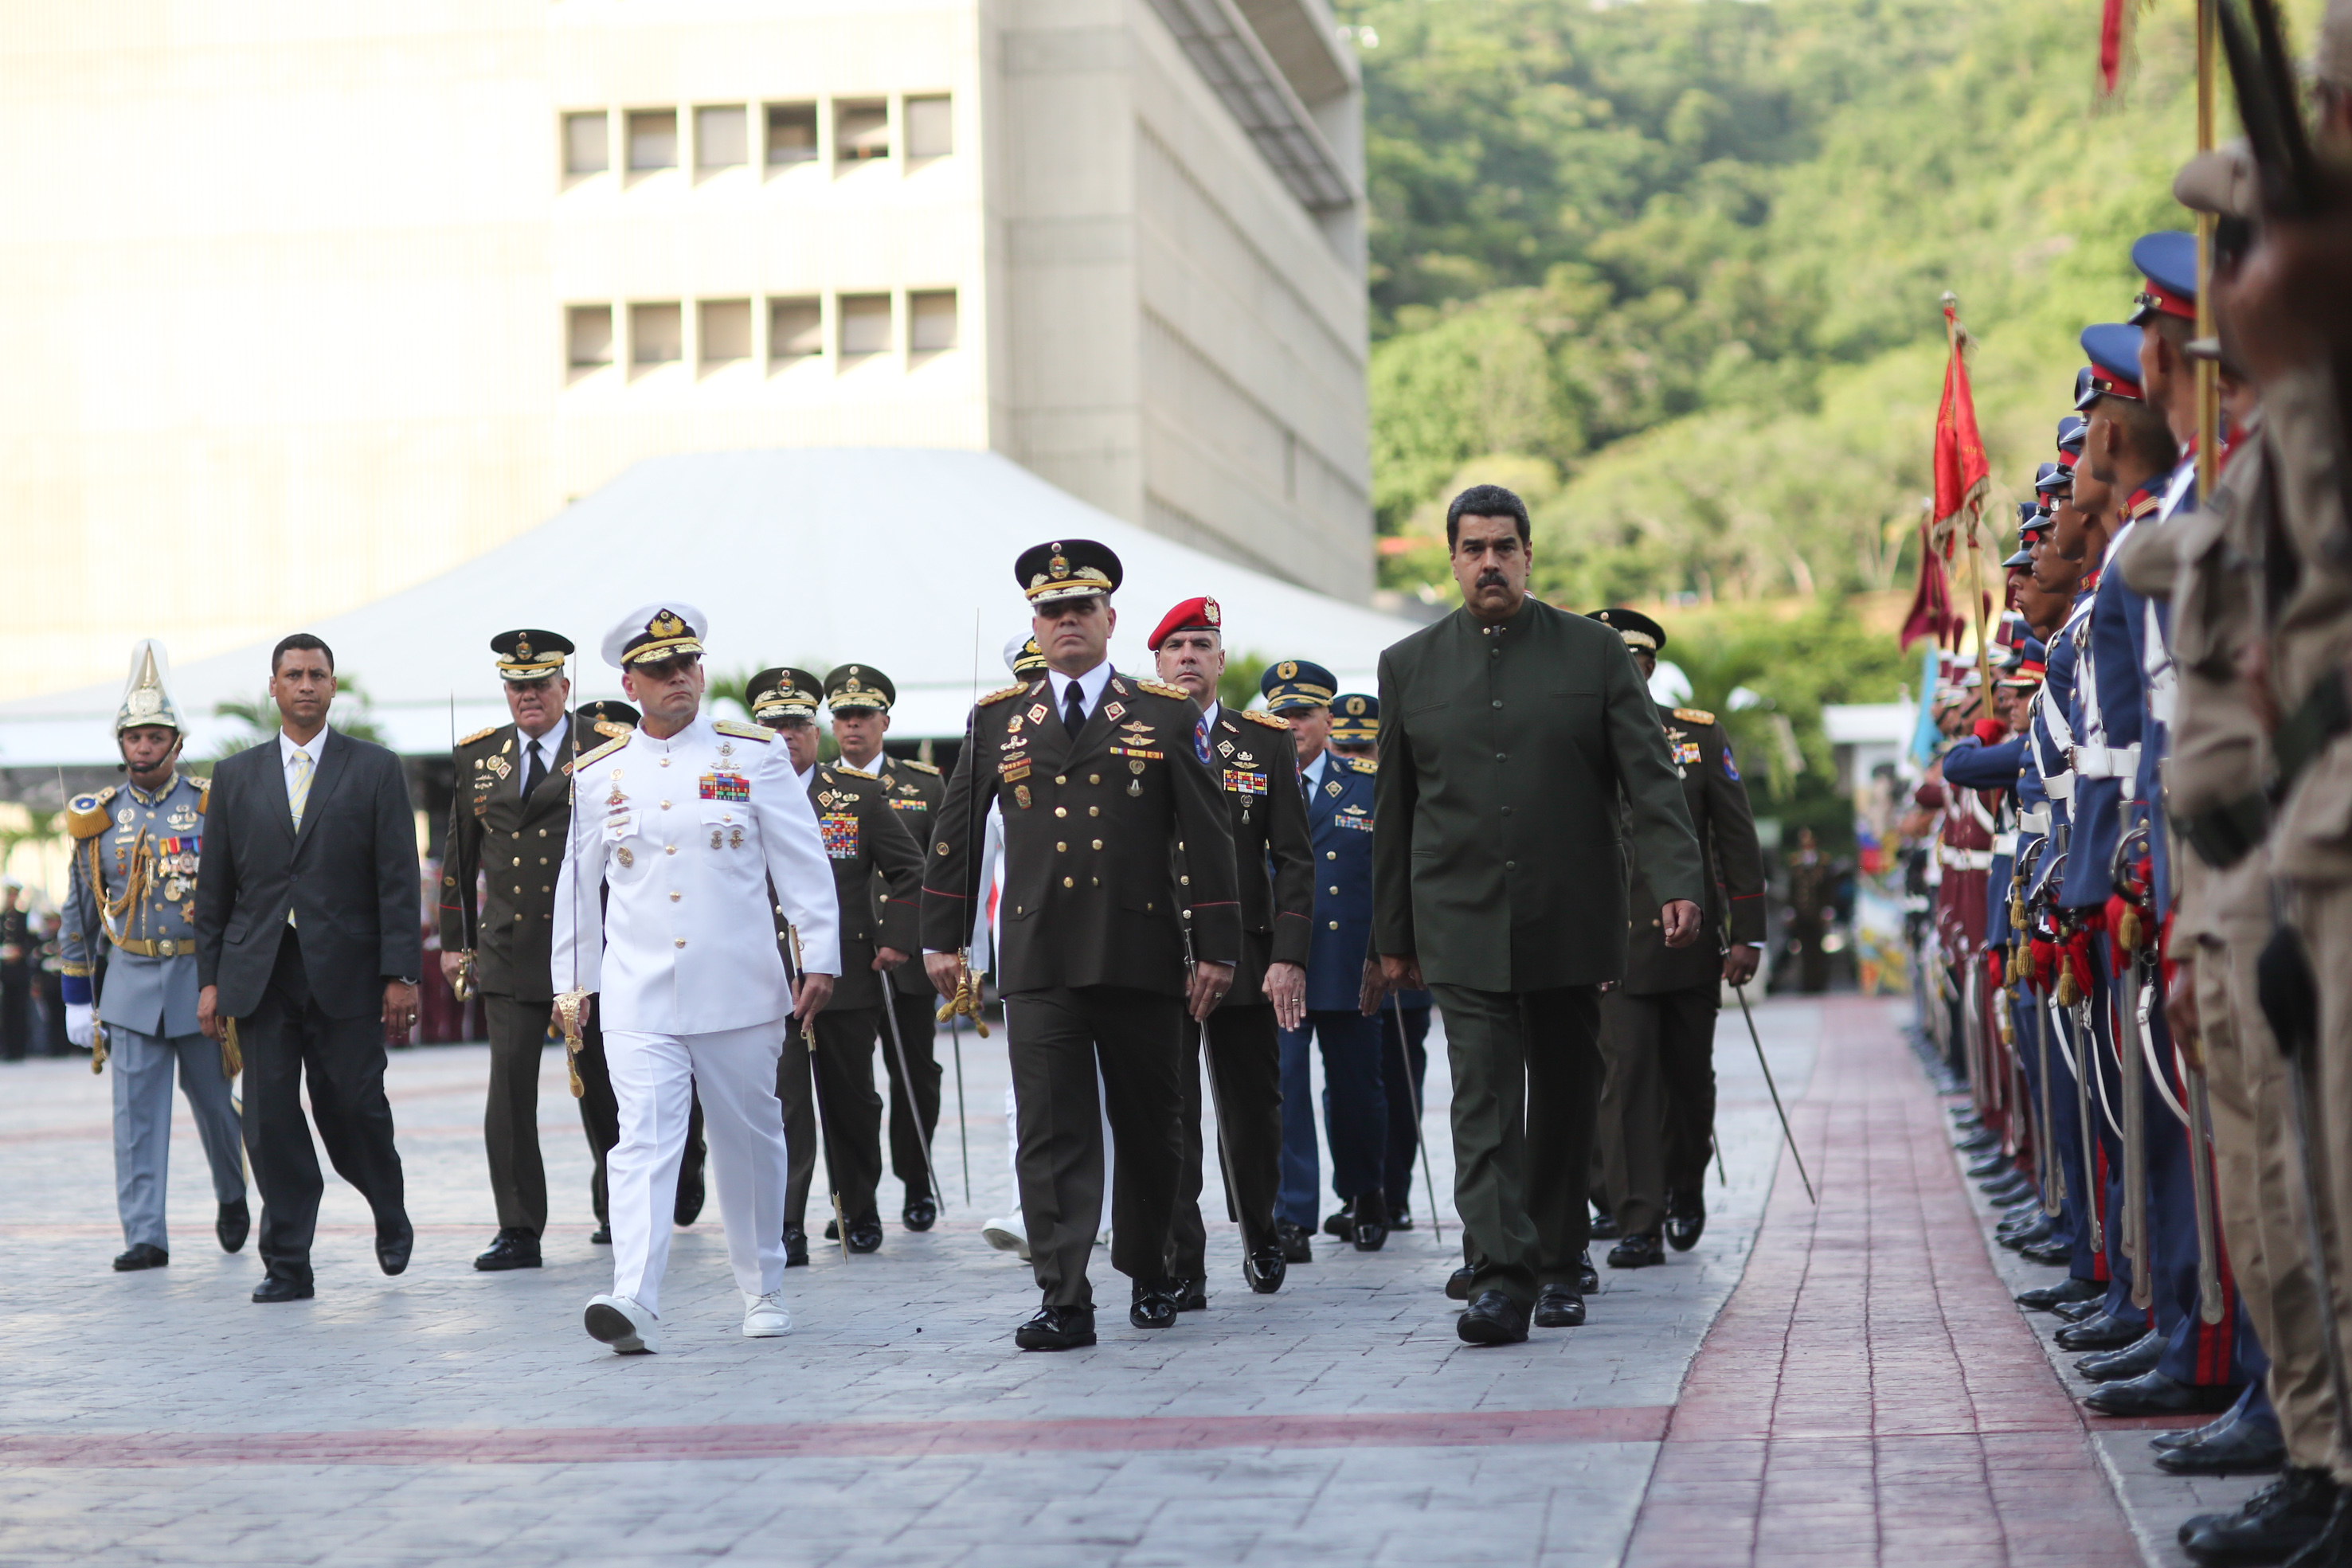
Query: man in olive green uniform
(1102,792)
(864,841)
(1657,1025)
(859,698)
(1508,731)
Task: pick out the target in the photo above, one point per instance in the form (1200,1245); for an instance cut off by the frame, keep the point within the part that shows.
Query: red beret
(1185,617)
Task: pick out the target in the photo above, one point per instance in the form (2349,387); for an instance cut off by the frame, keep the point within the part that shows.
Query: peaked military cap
(1200,613)
(2113,350)
(1023,657)
(655,631)
(2074,429)
(2053,477)
(610,710)
(1067,568)
(1292,684)
(1355,718)
(782,693)
(2168,261)
(856,687)
(1638,630)
(530,655)
(147,692)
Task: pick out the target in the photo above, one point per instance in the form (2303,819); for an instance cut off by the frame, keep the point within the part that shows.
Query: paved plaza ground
(1845,1383)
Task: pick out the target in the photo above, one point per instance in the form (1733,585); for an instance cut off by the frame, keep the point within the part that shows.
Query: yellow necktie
(297,792)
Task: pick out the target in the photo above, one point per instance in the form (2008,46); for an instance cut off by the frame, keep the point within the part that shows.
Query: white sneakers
(621,1322)
(766,1317)
(1007,1235)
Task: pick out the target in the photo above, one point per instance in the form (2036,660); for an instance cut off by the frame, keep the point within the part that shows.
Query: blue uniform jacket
(1339,823)
(2117,618)
(2058,692)
(1972,765)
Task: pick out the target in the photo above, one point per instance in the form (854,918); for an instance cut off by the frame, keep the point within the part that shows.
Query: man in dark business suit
(306,938)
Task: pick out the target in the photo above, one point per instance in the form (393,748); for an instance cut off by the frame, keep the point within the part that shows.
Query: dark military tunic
(915,790)
(1725,824)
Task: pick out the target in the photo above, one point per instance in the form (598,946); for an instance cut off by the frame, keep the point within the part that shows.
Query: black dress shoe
(601,1236)
(2244,1448)
(1154,1304)
(233,1225)
(1369,1212)
(2156,1394)
(1298,1246)
(1057,1328)
(1991,1165)
(2045,1298)
(1493,1319)
(277,1288)
(1982,1141)
(2101,1331)
(2272,1526)
(1604,1228)
(2007,1188)
(1263,1269)
(394,1243)
(1457,1283)
(1400,1219)
(688,1208)
(141,1255)
(2180,1436)
(1685,1217)
(2055,1253)
(1192,1296)
(1638,1252)
(2089,1307)
(1557,1307)
(2026,1236)
(796,1247)
(1587,1278)
(2136,1359)
(920,1213)
(1341,1225)
(514,1248)
(866,1235)
(833,1231)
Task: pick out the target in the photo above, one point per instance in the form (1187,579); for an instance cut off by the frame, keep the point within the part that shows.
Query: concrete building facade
(307,300)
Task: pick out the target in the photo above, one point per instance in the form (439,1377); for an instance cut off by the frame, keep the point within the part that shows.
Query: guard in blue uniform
(128,963)
(1338,794)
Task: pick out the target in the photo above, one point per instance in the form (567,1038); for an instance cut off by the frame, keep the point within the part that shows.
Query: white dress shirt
(1312,772)
(550,747)
(1090,687)
(313,748)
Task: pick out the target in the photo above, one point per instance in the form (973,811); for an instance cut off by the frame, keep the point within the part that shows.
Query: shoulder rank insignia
(1267,719)
(1162,689)
(478,735)
(909,762)
(853,772)
(86,815)
(1363,764)
(606,727)
(604,750)
(1694,715)
(204,792)
(994,698)
(741,730)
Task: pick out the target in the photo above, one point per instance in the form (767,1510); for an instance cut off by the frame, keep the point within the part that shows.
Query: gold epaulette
(1267,719)
(918,767)
(1162,689)
(1361,764)
(994,697)
(742,731)
(853,772)
(204,794)
(1694,715)
(605,726)
(606,749)
(86,815)
(482,734)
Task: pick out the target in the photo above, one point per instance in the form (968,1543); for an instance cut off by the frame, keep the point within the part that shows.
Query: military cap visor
(2168,261)
(530,655)
(782,693)
(2072,431)
(854,688)
(1355,718)
(652,633)
(1291,685)
(1638,630)
(2024,557)
(1065,569)
(2113,350)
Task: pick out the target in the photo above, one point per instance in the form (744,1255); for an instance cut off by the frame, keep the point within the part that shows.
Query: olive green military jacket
(1255,761)
(1733,910)
(867,845)
(517,844)
(913,790)
(1495,850)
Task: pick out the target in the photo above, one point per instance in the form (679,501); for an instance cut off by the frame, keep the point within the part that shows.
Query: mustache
(1492,578)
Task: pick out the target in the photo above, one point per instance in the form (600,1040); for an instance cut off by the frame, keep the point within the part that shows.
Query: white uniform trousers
(653,1076)
(144,1066)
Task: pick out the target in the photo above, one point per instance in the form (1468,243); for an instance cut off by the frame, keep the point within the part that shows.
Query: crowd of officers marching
(2142,933)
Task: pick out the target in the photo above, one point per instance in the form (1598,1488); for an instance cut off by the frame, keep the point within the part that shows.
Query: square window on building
(795,330)
(861,131)
(653,139)
(718,138)
(725,331)
(791,133)
(587,147)
(931,321)
(588,333)
(865,324)
(930,127)
(654,335)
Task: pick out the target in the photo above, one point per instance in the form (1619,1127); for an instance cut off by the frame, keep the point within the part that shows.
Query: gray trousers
(143,1067)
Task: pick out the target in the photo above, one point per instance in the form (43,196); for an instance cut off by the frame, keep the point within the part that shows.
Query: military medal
(1036,712)
(714,837)
(625,857)
(1020,795)
(1116,711)
(1135,786)
(735,839)
(1135,766)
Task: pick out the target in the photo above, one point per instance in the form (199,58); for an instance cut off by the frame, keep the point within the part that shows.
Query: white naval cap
(662,629)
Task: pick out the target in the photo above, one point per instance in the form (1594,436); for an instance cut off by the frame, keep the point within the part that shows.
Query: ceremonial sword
(1412,1090)
(1741,992)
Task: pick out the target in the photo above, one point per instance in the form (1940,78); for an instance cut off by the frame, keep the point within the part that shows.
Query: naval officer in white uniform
(686,823)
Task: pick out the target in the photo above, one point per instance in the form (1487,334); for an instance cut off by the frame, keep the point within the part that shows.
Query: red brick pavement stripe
(1870,1393)
(896,1439)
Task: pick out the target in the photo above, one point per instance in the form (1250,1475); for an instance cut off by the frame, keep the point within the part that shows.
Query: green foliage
(1238,687)
(353,712)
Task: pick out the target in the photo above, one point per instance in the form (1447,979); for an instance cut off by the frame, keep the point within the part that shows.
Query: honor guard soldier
(859,698)
(1102,791)
(694,828)
(1657,1025)
(1252,755)
(865,845)
(1337,793)
(129,964)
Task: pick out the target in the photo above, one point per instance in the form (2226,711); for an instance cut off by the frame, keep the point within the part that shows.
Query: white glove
(77,1023)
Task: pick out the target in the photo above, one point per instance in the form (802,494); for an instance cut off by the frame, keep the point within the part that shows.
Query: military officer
(859,698)
(827,1087)
(694,830)
(1337,791)
(1259,773)
(1657,1025)
(129,967)
(1102,790)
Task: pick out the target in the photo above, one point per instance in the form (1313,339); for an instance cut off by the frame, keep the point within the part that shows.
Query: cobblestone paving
(448,1415)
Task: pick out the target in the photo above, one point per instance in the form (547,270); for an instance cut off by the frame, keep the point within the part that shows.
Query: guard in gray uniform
(128,965)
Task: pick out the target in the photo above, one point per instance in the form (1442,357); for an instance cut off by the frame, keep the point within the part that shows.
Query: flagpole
(1971,516)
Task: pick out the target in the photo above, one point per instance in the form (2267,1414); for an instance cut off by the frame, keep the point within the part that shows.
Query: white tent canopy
(902,559)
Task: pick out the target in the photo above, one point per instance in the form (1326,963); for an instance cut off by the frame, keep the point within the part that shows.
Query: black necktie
(533,774)
(1073,709)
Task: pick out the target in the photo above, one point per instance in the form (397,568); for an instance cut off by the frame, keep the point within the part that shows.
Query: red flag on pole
(1931,614)
(2115,27)
(1963,477)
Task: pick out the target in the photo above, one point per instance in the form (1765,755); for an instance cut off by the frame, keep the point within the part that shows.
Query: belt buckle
(167,948)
